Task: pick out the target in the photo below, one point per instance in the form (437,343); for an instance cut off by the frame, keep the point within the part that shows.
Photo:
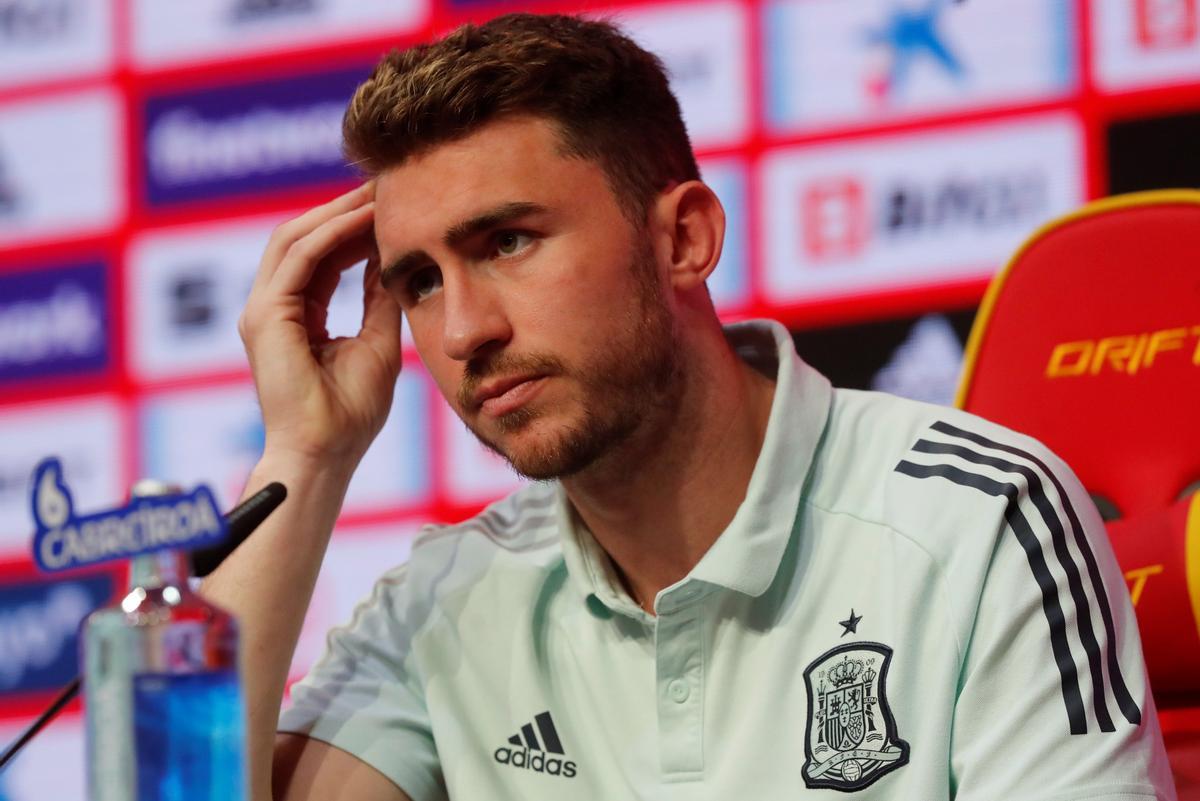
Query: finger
(381,317)
(288,232)
(305,254)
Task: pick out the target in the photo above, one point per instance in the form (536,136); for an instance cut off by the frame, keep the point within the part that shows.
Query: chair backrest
(1090,341)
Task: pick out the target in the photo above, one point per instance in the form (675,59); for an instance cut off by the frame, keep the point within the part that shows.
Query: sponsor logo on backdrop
(1166,24)
(248,138)
(172,33)
(832,62)
(42,151)
(39,624)
(53,322)
(839,222)
(909,36)
(1145,42)
(914,209)
(192,301)
(187,287)
(255,10)
(835,222)
(45,39)
(36,21)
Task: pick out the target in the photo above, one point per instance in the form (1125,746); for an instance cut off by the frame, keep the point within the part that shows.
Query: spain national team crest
(851,739)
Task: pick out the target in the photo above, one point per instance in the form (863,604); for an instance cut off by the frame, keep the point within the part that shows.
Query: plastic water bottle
(162,696)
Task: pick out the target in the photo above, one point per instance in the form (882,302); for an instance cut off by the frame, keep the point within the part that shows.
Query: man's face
(535,304)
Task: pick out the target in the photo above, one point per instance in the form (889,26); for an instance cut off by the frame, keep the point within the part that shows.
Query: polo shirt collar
(747,554)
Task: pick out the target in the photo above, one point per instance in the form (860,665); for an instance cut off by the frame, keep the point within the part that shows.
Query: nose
(474,319)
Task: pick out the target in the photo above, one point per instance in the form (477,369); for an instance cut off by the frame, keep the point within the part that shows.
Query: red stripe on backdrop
(1090,108)
(16,710)
(900,302)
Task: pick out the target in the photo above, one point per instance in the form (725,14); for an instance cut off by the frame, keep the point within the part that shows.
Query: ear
(691,223)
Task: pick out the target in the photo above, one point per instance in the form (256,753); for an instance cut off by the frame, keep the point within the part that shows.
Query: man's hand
(322,398)
(323,401)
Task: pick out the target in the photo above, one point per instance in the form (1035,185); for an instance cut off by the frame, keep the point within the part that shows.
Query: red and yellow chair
(1089,340)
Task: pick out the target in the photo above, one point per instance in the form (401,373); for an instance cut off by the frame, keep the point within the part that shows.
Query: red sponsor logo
(834,219)
(1164,24)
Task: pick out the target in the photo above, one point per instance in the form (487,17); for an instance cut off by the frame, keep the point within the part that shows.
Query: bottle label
(190,736)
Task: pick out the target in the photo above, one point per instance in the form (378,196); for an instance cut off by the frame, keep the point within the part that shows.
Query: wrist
(301,472)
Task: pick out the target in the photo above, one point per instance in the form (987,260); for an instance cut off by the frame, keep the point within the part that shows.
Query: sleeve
(366,697)
(1054,702)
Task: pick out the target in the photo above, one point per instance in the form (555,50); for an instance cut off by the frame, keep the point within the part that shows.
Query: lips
(504,395)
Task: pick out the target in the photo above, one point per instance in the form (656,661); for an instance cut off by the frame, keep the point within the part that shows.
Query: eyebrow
(460,232)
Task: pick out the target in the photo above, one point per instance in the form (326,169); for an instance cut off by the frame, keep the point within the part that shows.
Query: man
(730,579)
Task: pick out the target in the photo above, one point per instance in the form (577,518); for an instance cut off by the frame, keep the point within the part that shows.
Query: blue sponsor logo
(53,322)
(910,34)
(64,540)
(236,140)
(39,628)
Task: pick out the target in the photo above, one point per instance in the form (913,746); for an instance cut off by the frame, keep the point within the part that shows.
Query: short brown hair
(608,97)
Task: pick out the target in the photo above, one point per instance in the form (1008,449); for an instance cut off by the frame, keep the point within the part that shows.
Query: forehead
(512,160)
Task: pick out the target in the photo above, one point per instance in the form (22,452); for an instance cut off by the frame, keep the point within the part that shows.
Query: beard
(635,380)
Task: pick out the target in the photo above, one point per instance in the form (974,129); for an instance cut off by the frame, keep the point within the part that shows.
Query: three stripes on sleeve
(1041,518)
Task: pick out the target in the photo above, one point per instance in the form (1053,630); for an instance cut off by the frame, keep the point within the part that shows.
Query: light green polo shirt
(911,603)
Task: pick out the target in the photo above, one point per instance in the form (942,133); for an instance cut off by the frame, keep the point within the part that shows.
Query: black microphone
(240,523)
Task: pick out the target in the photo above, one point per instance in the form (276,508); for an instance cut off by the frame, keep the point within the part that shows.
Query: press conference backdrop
(878,160)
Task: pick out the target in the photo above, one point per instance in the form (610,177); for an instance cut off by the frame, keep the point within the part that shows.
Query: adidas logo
(534,754)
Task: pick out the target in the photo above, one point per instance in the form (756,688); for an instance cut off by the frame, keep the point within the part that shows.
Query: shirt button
(678,690)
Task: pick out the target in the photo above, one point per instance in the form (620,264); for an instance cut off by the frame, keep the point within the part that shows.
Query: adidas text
(535,761)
